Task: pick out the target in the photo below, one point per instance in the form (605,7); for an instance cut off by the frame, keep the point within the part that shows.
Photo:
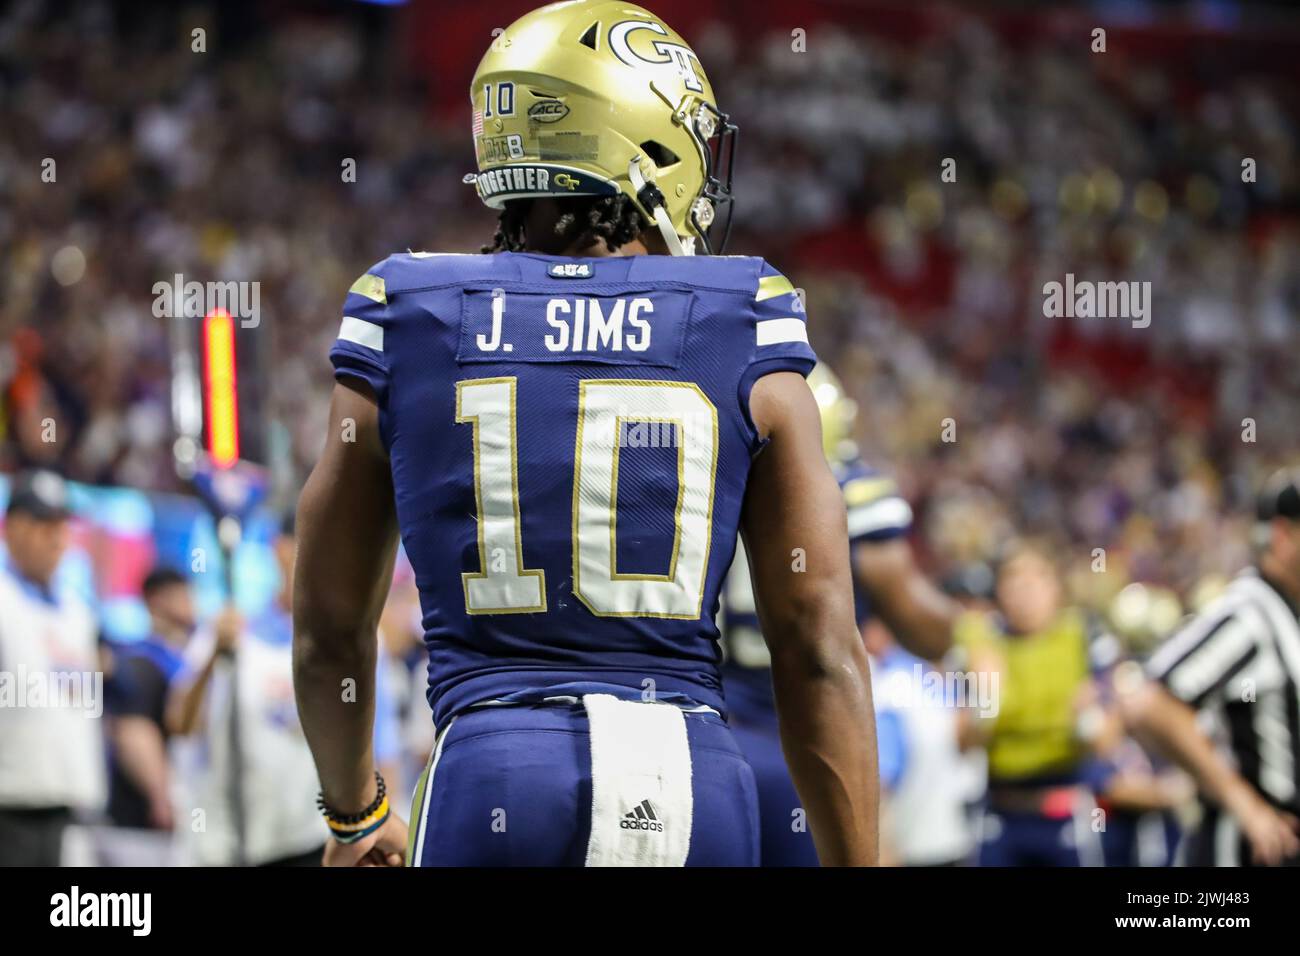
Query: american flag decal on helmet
(478,122)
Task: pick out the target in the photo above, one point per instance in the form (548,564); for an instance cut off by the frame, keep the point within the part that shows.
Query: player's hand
(1271,834)
(385,847)
(228,626)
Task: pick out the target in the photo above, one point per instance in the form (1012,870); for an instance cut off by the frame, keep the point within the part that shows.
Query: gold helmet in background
(594,98)
(1142,615)
(838,412)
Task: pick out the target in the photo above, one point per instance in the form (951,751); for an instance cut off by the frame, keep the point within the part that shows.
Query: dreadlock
(584,220)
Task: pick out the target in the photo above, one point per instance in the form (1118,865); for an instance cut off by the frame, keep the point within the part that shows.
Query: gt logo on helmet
(680,56)
(565,181)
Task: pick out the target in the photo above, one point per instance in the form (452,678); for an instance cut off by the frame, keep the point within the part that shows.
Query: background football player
(886,582)
(565,433)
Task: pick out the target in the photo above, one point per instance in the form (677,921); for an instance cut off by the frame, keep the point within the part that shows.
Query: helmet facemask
(712,213)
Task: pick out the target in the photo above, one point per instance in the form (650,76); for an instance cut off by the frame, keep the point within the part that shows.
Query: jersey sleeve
(777,333)
(779,328)
(876,511)
(358,350)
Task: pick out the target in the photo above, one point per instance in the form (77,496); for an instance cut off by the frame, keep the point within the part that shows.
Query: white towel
(641,805)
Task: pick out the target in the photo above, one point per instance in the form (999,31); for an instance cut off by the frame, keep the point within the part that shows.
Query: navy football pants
(1029,839)
(786,839)
(511,786)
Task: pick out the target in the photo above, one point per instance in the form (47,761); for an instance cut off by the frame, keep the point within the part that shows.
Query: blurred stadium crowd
(924,295)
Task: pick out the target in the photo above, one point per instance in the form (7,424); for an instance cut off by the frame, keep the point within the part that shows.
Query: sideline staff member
(51,748)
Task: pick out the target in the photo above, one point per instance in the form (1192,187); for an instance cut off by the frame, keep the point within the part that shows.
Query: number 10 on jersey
(504,586)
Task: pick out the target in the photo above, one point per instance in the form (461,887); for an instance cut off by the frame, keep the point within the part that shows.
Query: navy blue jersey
(875,512)
(570,443)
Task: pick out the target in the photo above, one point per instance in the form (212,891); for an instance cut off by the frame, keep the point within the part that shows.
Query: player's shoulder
(748,276)
(752,277)
(748,299)
(405,272)
(863,483)
(742,275)
(876,508)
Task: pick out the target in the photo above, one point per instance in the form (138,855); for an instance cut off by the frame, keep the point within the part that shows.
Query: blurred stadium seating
(924,295)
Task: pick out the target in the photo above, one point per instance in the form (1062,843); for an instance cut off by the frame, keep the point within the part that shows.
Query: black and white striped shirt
(1240,659)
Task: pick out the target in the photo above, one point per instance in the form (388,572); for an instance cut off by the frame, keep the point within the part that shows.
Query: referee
(1237,666)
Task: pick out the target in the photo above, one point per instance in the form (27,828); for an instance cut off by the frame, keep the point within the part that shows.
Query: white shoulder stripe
(776,331)
(363,333)
(885,514)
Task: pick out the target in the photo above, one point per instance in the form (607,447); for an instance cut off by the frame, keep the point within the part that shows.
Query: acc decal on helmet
(594,98)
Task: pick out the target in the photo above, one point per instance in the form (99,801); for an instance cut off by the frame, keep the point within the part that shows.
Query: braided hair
(583,221)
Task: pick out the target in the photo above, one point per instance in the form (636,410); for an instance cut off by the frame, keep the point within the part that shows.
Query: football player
(886,582)
(568,433)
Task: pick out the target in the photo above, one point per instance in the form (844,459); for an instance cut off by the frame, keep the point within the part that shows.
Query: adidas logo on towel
(642,817)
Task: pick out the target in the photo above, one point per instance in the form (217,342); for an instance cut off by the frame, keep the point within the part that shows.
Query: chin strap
(650,197)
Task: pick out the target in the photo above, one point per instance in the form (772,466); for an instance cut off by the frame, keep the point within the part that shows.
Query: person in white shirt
(51,685)
(278,788)
(922,773)
(282,825)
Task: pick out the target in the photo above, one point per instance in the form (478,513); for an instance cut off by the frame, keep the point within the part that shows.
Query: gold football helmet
(598,97)
(837,411)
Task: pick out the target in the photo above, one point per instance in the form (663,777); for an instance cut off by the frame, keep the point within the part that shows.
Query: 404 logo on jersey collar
(571,270)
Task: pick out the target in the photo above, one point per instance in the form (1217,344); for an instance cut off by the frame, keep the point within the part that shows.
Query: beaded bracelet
(351,832)
(350,827)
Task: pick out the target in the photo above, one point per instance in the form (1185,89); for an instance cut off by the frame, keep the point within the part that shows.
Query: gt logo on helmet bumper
(518,181)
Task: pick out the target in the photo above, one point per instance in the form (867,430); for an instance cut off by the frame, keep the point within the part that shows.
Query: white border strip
(776,331)
(418,854)
(359,331)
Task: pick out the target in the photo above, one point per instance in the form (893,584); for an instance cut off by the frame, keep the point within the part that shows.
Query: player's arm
(1157,717)
(347,537)
(1143,791)
(141,753)
(185,712)
(819,667)
(917,613)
